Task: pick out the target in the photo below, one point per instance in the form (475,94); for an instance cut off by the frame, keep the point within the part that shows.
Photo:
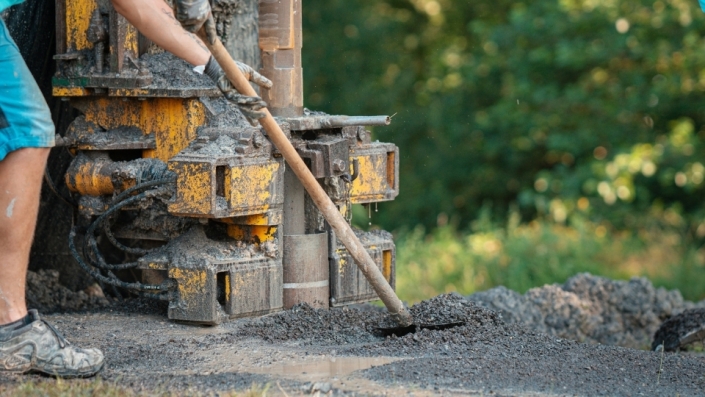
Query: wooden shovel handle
(330,212)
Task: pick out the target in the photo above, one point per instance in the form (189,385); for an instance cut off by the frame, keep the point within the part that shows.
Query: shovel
(343,231)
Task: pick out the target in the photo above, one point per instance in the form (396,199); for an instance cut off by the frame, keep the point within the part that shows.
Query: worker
(28,343)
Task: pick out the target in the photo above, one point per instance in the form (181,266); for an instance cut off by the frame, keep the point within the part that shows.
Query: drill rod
(330,212)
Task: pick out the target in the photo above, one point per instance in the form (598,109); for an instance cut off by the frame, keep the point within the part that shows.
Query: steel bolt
(338,165)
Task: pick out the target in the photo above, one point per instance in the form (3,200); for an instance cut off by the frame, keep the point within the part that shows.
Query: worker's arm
(156,21)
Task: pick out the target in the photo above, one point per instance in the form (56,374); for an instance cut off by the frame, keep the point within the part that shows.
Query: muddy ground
(341,352)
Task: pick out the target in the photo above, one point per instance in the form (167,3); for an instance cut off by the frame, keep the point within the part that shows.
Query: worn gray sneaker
(35,346)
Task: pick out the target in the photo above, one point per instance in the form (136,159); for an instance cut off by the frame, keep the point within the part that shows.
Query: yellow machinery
(182,199)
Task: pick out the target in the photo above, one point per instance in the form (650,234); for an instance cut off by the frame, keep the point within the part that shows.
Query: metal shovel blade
(401,331)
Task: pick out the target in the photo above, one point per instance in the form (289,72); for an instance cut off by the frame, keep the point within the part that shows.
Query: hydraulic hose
(91,243)
(106,225)
(90,232)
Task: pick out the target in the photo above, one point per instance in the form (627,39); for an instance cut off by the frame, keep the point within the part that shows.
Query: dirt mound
(590,309)
(351,325)
(46,294)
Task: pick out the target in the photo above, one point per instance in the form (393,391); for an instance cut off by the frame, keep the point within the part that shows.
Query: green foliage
(562,106)
(522,256)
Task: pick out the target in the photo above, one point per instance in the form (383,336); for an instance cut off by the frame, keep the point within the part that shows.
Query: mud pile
(48,295)
(170,71)
(590,309)
(360,324)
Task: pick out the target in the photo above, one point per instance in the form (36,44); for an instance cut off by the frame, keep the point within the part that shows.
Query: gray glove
(250,106)
(194,14)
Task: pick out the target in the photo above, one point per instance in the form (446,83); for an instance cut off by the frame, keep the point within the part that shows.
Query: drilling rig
(181,198)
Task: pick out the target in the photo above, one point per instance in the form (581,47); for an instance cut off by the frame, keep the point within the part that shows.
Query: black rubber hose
(141,186)
(107,280)
(122,247)
(101,262)
(90,232)
(109,233)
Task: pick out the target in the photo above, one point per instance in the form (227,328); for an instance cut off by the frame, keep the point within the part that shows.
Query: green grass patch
(523,256)
(97,387)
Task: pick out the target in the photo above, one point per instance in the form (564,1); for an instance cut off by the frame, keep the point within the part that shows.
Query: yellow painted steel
(128,92)
(131,39)
(88,180)
(69,91)
(194,188)
(78,18)
(250,185)
(228,291)
(173,121)
(191,283)
(387,264)
(255,234)
(372,180)
(267,219)
(238,191)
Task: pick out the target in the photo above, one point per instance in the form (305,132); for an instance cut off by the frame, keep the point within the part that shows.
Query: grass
(523,256)
(98,387)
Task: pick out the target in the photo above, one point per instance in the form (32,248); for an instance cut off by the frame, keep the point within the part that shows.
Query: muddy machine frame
(226,231)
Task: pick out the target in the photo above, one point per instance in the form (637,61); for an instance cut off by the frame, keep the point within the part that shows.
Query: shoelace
(62,341)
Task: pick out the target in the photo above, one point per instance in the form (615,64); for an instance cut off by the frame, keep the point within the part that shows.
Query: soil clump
(45,293)
(590,309)
(684,328)
(168,71)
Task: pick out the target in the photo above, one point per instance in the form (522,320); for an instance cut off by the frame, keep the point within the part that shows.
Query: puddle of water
(330,367)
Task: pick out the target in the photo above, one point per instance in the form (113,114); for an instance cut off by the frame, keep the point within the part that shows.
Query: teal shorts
(25,119)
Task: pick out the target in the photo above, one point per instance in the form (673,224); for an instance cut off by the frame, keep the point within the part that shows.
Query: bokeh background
(538,139)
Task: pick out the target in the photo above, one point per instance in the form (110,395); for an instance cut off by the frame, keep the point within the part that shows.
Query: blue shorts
(25,120)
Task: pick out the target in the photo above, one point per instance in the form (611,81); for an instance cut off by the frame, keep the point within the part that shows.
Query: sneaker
(33,345)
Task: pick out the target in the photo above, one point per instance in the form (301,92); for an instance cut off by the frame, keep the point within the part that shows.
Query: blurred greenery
(577,114)
(522,256)
(535,103)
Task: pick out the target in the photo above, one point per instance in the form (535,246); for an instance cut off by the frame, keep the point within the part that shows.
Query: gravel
(309,326)
(485,355)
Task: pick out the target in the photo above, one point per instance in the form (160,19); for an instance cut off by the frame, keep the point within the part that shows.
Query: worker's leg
(20,184)
(156,21)
(27,343)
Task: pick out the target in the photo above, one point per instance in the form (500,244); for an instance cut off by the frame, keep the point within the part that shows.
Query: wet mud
(168,71)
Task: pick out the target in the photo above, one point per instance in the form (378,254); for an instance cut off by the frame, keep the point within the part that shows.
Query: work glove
(250,106)
(194,14)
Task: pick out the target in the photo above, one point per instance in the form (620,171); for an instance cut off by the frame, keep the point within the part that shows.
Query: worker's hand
(250,106)
(194,14)
(253,76)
